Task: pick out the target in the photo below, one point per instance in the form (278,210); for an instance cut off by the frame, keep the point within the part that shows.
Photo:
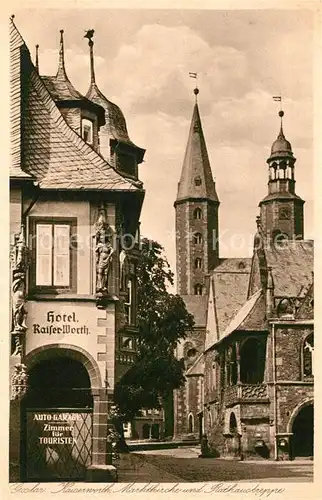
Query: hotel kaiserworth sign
(60,323)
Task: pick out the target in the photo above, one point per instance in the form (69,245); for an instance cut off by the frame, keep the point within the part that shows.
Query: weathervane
(278,98)
(89,35)
(195,76)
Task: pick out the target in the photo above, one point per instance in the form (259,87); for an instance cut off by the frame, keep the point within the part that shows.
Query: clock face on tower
(284,213)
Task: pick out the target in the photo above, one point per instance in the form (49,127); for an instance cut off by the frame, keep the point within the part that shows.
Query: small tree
(163,321)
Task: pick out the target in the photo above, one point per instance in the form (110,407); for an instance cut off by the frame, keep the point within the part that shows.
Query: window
(54,255)
(252,362)
(308,356)
(190,424)
(198,181)
(197,239)
(198,263)
(87,131)
(128,343)
(232,365)
(128,303)
(198,289)
(192,353)
(197,214)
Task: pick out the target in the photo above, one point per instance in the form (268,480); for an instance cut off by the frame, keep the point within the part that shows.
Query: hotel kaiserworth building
(75,203)
(249,359)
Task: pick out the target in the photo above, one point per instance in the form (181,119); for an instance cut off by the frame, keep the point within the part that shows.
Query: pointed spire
(281,134)
(196,176)
(37,58)
(61,72)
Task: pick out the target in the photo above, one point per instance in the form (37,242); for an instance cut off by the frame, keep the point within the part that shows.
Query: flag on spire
(192,75)
(277,98)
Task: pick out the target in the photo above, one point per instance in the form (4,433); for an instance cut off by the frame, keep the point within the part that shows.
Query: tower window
(198,263)
(198,289)
(197,214)
(198,180)
(197,239)
(308,356)
(87,131)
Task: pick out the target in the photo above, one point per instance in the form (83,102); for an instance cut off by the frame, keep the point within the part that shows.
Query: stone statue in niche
(104,253)
(19,259)
(122,258)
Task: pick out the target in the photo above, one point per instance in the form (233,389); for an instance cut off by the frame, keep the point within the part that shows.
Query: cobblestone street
(183,465)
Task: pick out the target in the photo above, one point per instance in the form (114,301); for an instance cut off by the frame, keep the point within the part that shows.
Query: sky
(243,58)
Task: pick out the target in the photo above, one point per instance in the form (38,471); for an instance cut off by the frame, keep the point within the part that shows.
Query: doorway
(57,418)
(303,433)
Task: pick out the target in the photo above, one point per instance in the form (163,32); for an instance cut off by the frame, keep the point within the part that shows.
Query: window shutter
(61,255)
(44,249)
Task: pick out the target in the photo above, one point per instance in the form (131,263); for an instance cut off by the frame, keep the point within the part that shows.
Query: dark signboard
(58,444)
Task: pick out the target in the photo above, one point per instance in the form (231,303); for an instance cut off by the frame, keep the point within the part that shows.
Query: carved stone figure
(19,264)
(19,381)
(104,252)
(122,258)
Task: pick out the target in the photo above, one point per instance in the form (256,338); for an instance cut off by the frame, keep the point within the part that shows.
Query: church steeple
(281,209)
(196,209)
(196,180)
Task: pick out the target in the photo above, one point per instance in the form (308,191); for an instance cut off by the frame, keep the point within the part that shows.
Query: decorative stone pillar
(238,361)
(18,370)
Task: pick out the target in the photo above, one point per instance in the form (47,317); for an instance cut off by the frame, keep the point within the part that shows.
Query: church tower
(281,211)
(196,209)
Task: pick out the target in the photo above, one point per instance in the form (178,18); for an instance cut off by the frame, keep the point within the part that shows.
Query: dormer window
(87,130)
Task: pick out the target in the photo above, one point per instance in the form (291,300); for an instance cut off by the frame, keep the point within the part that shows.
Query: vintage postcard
(161,249)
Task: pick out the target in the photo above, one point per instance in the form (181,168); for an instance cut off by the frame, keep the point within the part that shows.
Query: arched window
(87,130)
(232,424)
(198,263)
(197,214)
(252,362)
(284,308)
(198,180)
(198,289)
(190,424)
(209,418)
(197,239)
(308,356)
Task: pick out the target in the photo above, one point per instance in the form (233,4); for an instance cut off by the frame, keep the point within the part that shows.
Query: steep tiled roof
(61,89)
(196,177)
(197,368)
(16,44)
(197,306)
(250,317)
(292,266)
(115,121)
(230,281)
(54,153)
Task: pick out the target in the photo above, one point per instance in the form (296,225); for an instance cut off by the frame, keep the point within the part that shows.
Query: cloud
(148,79)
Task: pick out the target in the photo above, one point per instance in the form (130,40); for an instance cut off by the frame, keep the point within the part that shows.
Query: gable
(306,309)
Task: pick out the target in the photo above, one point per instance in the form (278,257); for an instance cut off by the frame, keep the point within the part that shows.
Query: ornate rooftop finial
(281,134)
(12,17)
(61,72)
(270,280)
(89,35)
(37,58)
